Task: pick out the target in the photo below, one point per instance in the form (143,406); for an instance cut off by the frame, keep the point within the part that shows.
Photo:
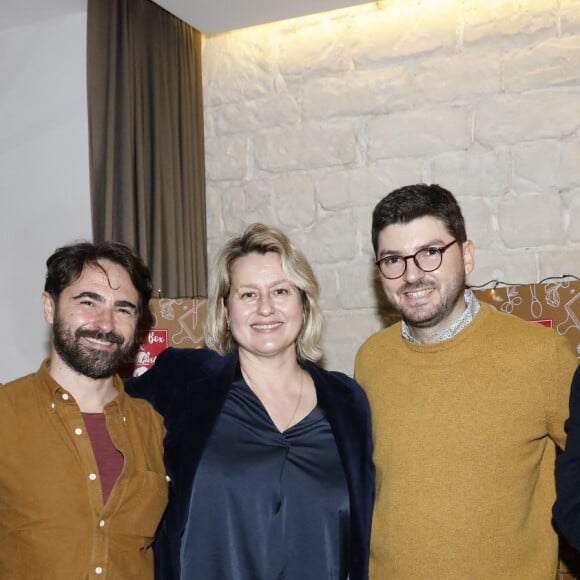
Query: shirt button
(102,524)
(124,419)
(65,397)
(167,478)
(93,476)
(78,431)
(98,570)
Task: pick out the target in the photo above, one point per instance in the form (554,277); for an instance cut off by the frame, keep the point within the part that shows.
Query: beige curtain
(146,139)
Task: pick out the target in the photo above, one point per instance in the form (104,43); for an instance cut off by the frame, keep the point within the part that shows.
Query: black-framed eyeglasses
(427,259)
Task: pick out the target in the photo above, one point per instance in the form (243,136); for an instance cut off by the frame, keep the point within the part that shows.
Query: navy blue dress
(267,505)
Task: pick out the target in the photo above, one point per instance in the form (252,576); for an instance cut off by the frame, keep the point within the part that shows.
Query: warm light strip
(320,17)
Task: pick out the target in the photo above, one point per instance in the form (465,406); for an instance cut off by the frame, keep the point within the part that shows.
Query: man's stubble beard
(440,312)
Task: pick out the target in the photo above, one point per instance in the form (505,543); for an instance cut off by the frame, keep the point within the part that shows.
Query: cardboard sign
(555,304)
(177,322)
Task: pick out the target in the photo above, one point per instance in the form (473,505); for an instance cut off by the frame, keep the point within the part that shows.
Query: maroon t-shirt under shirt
(109,459)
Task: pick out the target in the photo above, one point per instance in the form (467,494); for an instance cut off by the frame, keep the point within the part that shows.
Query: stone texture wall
(310,122)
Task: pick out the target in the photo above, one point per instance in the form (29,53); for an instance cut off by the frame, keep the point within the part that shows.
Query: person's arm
(560,364)
(566,510)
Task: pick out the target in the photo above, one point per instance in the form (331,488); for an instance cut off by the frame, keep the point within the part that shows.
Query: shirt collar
(472,306)
(56,392)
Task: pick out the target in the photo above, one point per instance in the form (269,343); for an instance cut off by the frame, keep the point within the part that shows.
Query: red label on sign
(152,343)
(543,321)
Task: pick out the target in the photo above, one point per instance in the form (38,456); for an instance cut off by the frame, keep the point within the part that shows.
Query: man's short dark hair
(408,203)
(67,263)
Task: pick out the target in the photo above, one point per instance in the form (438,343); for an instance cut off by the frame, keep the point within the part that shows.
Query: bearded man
(82,481)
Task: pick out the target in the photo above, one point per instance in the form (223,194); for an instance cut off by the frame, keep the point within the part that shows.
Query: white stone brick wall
(310,122)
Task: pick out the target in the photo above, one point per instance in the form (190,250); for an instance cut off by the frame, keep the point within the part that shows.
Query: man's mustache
(415,286)
(99,335)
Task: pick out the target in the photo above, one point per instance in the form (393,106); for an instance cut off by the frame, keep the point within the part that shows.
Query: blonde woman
(269,455)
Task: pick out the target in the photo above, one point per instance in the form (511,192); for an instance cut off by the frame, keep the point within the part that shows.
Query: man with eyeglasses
(468,406)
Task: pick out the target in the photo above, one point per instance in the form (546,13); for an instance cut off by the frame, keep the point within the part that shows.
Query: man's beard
(438,312)
(91,362)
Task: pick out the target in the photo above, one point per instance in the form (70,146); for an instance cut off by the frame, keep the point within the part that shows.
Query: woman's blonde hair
(261,239)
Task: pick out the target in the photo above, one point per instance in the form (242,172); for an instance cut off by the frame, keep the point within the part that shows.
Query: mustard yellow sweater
(464,451)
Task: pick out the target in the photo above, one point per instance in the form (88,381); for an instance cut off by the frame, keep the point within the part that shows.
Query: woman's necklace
(251,383)
(297,403)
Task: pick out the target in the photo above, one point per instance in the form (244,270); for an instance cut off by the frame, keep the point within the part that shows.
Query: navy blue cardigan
(189,387)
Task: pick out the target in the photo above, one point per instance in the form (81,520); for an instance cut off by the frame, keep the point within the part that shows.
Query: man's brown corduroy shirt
(53,524)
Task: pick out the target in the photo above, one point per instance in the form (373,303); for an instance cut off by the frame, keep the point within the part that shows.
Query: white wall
(310,122)
(44,171)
